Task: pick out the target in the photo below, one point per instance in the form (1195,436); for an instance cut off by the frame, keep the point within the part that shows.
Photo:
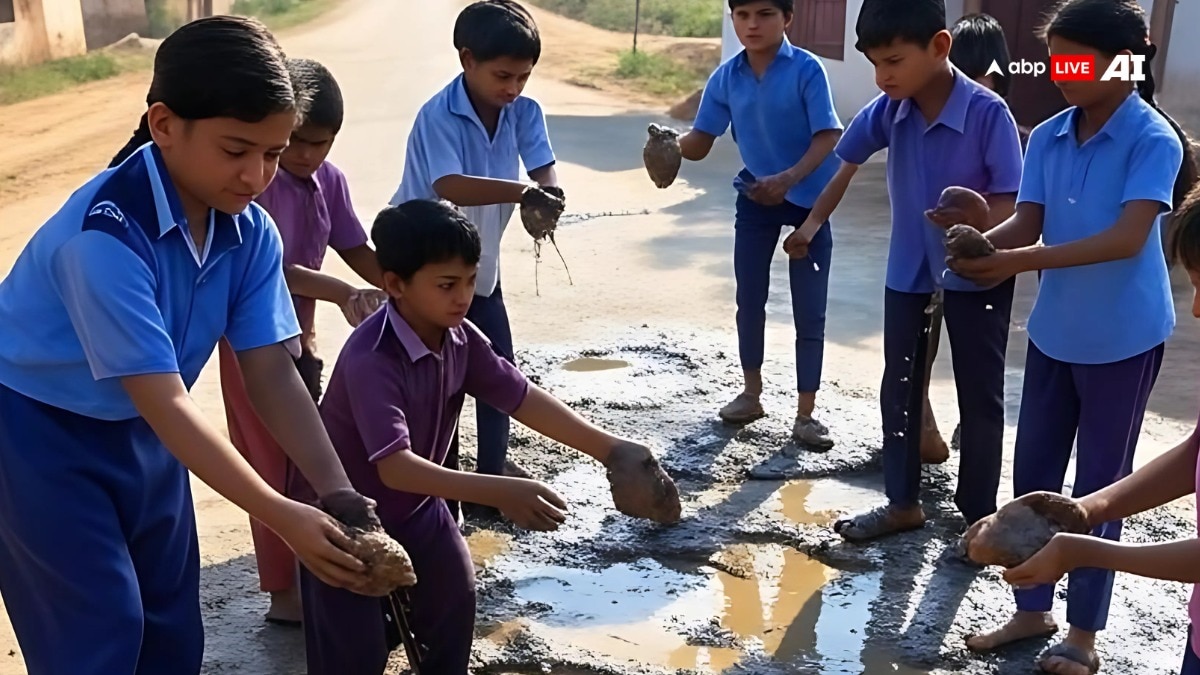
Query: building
(32,31)
(106,21)
(826,28)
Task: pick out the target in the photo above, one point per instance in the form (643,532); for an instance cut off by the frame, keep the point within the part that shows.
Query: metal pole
(637,20)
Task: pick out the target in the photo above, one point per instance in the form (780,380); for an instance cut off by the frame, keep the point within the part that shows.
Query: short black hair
(882,22)
(785,6)
(423,232)
(492,29)
(979,40)
(327,109)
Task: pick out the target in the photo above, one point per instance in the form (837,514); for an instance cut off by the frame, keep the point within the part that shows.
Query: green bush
(163,19)
(657,73)
(264,7)
(681,18)
(21,84)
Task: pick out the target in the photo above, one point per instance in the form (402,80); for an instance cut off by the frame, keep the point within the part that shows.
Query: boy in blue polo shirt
(466,147)
(941,129)
(776,97)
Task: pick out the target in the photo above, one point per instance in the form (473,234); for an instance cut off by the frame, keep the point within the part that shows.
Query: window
(820,27)
(7,15)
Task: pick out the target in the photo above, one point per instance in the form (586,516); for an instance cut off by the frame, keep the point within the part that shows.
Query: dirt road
(751,576)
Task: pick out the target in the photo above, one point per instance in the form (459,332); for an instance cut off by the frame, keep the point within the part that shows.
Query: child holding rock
(777,99)
(466,147)
(1173,475)
(1098,179)
(109,315)
(309,201)
(941,128)
(391,409)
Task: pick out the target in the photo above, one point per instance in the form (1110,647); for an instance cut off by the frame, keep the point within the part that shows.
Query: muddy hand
(532,505)
(662,155)
(320,543)
(960,206)
(351,509)
(540,211)
(640,487)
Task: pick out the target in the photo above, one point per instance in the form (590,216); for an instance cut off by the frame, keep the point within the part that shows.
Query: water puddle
(765,602)
(591,365)
(820,502)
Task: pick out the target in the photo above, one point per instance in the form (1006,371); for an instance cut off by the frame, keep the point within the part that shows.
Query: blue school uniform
(973,143)
(773,119)
(1097,332)
(449,139)
(99,563)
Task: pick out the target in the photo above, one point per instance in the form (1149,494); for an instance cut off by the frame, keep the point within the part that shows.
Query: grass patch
(659,74)
(680,18)
(280,14)
(43,79)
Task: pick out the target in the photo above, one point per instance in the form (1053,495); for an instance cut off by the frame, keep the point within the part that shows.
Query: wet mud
(751,580)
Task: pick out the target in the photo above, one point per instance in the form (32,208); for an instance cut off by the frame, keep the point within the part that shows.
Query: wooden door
(1033,99)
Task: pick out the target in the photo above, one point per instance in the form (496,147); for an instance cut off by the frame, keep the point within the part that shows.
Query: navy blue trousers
(1191,662)
(1098,409)
(99,563)
(345,633)
(756,239)
(977,322)
(492,426)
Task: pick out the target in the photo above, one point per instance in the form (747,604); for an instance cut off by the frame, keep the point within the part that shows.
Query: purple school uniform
(313,215)
(390,393)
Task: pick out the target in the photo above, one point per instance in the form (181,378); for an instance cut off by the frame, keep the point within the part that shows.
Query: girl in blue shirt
(109,315)
(1098,178)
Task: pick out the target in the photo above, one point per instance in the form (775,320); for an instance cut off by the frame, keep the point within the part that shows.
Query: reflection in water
(772,601)
(590,365)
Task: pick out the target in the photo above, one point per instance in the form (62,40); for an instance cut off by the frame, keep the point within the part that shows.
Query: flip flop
(742,410)
(1070,653)
(870,525)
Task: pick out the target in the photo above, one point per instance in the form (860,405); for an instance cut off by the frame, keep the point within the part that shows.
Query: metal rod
(637,20)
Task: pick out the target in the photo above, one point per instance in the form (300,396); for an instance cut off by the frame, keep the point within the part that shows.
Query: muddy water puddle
(765,603)
(820,502)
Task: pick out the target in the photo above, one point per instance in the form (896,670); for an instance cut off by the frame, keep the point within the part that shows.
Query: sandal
(877,522)
(1071,653)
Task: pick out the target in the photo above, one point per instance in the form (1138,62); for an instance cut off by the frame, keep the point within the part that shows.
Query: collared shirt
(448,139)
(313,215)
(1109,311)
(973,143)
(389,393)
(110,287)
(773,118)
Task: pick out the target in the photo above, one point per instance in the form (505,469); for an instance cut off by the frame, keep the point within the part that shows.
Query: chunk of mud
(662,155)
(736,561)
(541,208)
(388,564)
(1022,527)
(640,486)
(964,241)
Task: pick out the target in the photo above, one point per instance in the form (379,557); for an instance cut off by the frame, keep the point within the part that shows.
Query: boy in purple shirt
(310,204)
(941,129)
(392,411)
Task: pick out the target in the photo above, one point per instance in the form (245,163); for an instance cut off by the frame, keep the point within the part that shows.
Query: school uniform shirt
(313,215)
(1110,311)
(389,393)
(773,119)
(1194,602)
(972,143)
(114,286)
(448,139)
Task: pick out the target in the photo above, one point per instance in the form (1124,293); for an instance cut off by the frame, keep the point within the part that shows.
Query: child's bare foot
(933,448)
(880,521)
(514,470)
(285,608)
(1022,626)
(1075,655)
